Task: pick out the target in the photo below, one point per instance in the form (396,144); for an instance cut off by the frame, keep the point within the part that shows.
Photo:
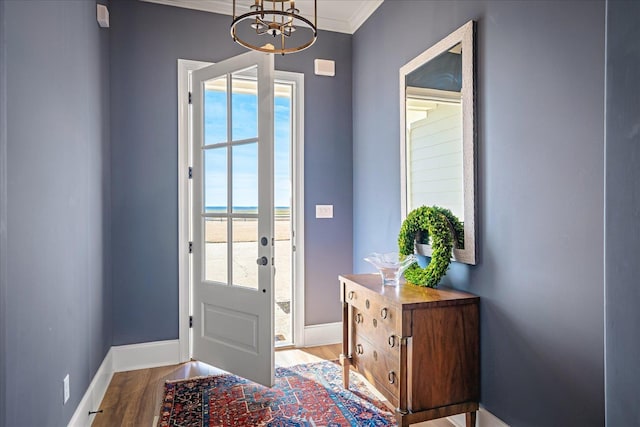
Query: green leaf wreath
(439,226)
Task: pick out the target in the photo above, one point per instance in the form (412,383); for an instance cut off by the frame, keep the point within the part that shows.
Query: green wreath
(442,228)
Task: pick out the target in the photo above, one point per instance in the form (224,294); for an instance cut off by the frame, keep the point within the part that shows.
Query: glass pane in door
(245,252)
(215,250)
(245,178)
(244,105)
(215,180)
(215,111)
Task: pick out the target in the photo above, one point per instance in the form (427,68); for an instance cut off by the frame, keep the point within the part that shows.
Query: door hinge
(190,172)
(189,97)
(191,321)
(190,247)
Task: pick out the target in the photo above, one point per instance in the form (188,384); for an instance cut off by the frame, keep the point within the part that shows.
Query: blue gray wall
(146,42)
(3,215)
(56,302)
(622,213)
(540,92)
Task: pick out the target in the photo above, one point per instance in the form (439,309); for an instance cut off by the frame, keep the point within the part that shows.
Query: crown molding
(362,14)
(215,6)
(324,23)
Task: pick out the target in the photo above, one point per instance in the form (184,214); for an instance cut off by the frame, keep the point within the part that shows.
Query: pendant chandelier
(271,23)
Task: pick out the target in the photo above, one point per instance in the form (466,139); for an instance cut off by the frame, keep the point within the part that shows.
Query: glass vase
(390,265)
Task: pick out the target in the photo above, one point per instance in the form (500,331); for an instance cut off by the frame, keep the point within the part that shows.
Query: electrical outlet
(65,388)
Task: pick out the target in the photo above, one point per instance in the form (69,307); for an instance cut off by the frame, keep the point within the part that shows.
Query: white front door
(232,213)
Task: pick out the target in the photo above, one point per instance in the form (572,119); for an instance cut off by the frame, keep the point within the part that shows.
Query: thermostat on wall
(325,67)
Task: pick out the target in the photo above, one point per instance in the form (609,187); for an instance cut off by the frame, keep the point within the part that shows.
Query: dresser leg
(401,419)
(471,419)
(345,362)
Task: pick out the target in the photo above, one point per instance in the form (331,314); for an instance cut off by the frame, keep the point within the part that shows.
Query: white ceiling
(344,16)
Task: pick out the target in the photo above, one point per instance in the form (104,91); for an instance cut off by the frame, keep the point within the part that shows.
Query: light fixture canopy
(279,19)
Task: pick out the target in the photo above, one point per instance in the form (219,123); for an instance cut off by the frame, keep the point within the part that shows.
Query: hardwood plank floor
(133,398)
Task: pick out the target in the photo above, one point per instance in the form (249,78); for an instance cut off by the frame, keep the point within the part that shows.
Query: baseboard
(484,419)
(145,355)
(94,394)
(322,334)
(119,359)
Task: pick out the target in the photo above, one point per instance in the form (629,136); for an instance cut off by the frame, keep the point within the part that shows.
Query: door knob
(262,261)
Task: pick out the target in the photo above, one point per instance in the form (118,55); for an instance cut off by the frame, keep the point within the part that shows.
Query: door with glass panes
(232,216)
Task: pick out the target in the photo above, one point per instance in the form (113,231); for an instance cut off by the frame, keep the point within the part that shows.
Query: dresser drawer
(374,305)
(380,333)
(379,366)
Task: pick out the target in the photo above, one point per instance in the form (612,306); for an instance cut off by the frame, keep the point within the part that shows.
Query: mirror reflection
(437,103)
(434,133)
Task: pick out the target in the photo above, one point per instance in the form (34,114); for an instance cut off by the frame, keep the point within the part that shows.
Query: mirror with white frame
(438,135)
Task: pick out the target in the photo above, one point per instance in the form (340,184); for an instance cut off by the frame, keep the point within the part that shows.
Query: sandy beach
(243,230)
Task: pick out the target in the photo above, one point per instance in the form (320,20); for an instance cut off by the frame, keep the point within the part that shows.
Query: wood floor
(133,398)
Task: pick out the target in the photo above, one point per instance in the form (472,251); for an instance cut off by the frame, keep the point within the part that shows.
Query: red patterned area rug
(304,395)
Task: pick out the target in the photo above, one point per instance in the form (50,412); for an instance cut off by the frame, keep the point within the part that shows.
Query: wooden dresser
(418,346)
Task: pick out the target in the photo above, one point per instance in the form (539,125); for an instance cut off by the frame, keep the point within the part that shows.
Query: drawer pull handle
(384,313)
(358,318)
(359,349)
(392,377)
(392,341)
(351,294)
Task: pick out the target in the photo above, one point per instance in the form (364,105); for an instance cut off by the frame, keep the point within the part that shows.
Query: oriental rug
(304,395)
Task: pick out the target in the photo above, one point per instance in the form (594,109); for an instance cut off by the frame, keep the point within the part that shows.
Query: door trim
(185,67)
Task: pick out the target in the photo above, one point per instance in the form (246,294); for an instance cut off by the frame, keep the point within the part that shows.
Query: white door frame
(185,67)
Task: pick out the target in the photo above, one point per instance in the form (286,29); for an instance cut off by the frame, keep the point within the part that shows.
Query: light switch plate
(324,211)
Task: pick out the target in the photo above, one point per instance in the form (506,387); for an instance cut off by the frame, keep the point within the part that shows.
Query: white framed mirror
(438,135)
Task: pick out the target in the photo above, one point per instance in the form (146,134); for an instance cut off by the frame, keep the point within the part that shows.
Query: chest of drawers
(418,346)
